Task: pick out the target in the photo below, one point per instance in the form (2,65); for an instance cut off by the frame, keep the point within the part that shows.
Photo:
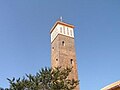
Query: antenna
(61,18)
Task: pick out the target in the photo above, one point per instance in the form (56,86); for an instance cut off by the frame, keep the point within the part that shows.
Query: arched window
(67,31)
(52,47)
(71,32)
(64,29)
(71,61)
(63,43)
(56,59)
(60,29)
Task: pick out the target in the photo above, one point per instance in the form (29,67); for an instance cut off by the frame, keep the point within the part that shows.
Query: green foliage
(45,79)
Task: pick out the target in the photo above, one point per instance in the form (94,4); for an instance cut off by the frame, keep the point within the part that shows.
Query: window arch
(56,59)
(63,43)
(71,61)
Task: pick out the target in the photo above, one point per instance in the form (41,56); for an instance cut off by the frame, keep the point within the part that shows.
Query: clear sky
(25,38)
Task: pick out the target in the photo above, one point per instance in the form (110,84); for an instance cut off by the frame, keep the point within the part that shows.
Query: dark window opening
(63,43)
(71,61)
(56,59)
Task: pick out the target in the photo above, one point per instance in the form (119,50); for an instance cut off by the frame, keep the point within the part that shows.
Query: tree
(45,79)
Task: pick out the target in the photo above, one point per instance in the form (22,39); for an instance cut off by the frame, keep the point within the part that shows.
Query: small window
(53,48)
(67,31)
(64,29)
(60,29)
(71,32)
(63,43)
(71,61)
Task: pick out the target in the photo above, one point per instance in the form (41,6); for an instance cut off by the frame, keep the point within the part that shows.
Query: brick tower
(63,48)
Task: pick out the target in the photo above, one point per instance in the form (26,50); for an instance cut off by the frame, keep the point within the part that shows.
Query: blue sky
(25,38)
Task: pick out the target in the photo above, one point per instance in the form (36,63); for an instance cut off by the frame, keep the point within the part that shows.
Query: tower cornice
(62,23)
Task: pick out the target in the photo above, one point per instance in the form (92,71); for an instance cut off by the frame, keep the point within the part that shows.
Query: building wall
(63,54)
(113,86)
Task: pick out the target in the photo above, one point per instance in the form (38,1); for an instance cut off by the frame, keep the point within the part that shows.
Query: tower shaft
(63,48)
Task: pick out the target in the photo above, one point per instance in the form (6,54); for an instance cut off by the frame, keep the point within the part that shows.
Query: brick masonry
(63,54)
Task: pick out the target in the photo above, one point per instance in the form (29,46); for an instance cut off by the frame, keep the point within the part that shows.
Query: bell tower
(63,48)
